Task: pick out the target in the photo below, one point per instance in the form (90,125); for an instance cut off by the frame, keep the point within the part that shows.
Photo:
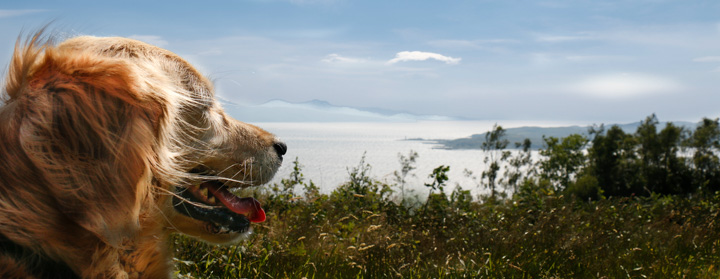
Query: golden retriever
(109,145)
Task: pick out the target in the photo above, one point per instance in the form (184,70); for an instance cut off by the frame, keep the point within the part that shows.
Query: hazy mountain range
(320,111)
(535,134)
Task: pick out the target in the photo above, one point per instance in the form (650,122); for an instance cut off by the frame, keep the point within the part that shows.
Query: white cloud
(12,13)
(562,39)
(151,39)
(470,43)
(546,59)
(624,85)
(689,36)
(336,58)
(597,58)
(543,59)
(492,45)
(707,59)
(454,43)
(405,56)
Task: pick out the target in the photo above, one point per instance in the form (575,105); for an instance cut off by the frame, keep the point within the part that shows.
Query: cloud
(554,59)
(624,85)
(336,58)
(312,33)
(151,39)
(598,58)
(405,56)
(469,43)
(492,45)
(562,39)
(707,59)
(13,13)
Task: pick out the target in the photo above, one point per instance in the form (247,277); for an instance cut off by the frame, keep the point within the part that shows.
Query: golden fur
(96,136)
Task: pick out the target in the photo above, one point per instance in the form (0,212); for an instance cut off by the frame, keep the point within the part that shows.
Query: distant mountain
(535,134)
(320,111)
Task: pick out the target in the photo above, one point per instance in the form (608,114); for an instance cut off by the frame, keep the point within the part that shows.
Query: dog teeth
(217,229)
(204,192)
(212,200)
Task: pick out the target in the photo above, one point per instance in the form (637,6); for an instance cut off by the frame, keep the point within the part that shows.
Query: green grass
(359,232)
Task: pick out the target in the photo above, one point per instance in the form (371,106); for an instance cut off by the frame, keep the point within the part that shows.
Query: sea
(327,151)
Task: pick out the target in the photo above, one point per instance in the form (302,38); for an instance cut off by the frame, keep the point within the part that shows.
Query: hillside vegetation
(615,205)
(535,134)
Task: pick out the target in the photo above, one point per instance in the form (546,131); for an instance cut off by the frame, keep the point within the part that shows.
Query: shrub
(357,231)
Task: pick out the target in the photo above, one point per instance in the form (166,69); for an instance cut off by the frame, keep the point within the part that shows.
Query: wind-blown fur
(96,135)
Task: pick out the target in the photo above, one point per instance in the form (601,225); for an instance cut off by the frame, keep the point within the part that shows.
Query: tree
(661,169)
(705,141)
(439,178)
(515,172)
(564,158)
(677,177)
(296,178)
(647,161)
(612,160)
(407,164)
(288,184)
(360,179)
(494,150)
(648,153)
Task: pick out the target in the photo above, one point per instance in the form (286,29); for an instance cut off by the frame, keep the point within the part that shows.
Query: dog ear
(91,133)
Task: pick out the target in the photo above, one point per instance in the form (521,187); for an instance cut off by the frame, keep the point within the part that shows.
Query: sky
(572,60)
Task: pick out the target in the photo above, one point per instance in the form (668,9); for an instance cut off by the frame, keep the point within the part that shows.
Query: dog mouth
(222,211)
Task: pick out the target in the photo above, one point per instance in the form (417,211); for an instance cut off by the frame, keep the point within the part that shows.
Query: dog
(110,145)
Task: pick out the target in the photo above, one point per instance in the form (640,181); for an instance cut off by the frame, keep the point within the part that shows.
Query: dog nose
(280,148)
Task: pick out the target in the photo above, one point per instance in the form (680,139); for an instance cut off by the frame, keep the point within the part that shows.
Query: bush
(585,188)
(357,231)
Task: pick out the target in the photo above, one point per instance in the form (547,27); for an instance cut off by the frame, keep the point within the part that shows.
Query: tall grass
(360,230)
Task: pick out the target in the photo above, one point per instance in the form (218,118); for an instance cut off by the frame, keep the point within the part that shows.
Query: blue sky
(592,61)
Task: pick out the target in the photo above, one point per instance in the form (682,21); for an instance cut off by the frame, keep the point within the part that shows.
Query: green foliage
(437,201)
(611,158)
(439,178)
(279,194)
(661,170)
(461,199)
(609,207)
(494,146)
(519,165)
(532,192)
(407,164)
(362,192)
(535,234)
(585,187)
(563,159)
(495,139)
(360,180)
(706,141)
(650,162)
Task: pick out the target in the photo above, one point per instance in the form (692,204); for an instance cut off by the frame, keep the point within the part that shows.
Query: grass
(360,231)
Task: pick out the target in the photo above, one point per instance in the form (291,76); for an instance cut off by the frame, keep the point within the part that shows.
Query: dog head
(199,154)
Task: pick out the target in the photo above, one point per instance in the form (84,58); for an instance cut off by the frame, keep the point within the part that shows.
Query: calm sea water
(327,150)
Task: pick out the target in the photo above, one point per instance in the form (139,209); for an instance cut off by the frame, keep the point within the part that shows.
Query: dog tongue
(249,207)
